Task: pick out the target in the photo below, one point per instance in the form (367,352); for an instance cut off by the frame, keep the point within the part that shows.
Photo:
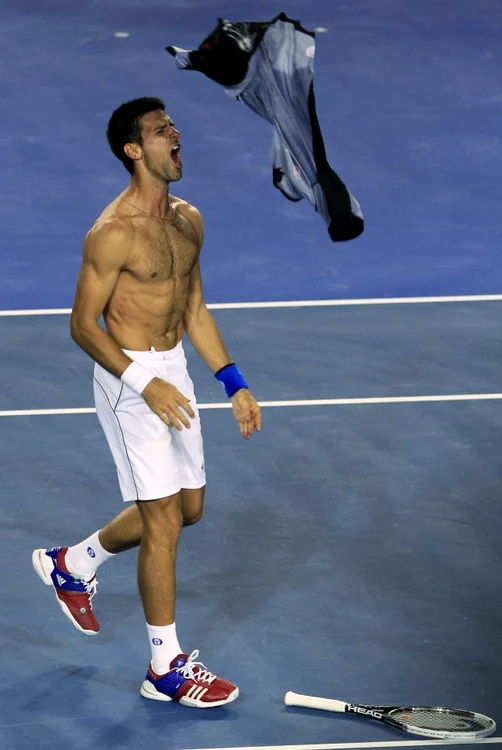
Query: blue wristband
(231,379)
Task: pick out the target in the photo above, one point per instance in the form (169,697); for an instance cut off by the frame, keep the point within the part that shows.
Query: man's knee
(189,519)
(162,515)
(192,505)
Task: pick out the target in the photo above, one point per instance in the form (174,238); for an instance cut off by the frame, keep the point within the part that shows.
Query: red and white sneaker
(74,595)
(189,682)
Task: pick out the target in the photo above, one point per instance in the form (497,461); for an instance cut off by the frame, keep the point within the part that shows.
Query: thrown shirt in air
(270,67)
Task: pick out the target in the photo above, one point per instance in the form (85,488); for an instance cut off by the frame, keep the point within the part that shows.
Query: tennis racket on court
(441,723)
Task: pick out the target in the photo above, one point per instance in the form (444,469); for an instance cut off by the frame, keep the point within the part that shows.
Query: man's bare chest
(163,251)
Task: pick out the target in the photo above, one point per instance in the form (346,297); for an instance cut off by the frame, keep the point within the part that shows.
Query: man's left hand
(247,412)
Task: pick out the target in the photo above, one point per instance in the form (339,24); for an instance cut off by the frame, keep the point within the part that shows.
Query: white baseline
(278,404)
(350,745)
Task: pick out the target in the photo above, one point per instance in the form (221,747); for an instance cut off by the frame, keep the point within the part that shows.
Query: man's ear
(133,151)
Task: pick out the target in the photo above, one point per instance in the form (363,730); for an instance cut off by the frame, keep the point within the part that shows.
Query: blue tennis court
(352,548)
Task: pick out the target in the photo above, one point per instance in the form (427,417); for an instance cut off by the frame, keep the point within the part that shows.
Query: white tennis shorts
(152,460)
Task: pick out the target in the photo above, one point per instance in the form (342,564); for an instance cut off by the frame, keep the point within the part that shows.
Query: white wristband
(137,377)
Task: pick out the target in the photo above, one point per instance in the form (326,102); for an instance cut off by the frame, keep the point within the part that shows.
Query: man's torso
(146,306)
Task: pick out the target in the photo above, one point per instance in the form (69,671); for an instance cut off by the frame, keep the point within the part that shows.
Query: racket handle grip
(310,701)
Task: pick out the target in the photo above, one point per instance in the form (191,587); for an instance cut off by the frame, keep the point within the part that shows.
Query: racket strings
(442,721)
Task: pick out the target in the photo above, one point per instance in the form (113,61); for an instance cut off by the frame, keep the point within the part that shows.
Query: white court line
(297,303)
(348,745)
(19,313)
(309,402)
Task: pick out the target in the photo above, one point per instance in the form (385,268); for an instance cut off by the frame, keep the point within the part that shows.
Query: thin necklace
(165,218)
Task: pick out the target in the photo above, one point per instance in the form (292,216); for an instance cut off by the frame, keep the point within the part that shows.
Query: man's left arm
(200,327)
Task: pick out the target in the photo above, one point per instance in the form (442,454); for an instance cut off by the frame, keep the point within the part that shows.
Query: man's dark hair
(124,126)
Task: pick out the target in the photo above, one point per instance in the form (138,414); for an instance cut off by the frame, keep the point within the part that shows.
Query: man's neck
(148,195)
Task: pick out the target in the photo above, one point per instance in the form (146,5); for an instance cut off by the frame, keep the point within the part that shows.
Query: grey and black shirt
(270,67)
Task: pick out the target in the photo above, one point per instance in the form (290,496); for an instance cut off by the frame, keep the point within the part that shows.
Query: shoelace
(90,588)
(188,670)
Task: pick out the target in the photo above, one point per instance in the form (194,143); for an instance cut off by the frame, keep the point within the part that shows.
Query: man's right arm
(105,254)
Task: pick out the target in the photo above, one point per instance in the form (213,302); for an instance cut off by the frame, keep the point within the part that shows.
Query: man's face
(161,148)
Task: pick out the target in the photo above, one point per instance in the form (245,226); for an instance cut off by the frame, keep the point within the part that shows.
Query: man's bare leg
(121,533)
(192,505)
(162,523)
(124,531)
(172,674)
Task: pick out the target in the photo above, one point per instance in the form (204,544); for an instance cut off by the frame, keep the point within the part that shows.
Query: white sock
(83,559)
(164,645)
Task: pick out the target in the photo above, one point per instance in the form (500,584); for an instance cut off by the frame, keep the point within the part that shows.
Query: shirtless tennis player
(141,272)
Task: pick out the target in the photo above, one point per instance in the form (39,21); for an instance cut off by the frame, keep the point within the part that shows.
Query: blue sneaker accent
(63,580)
(169,683)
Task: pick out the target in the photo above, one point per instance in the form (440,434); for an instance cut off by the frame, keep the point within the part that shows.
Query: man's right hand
(168,403)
